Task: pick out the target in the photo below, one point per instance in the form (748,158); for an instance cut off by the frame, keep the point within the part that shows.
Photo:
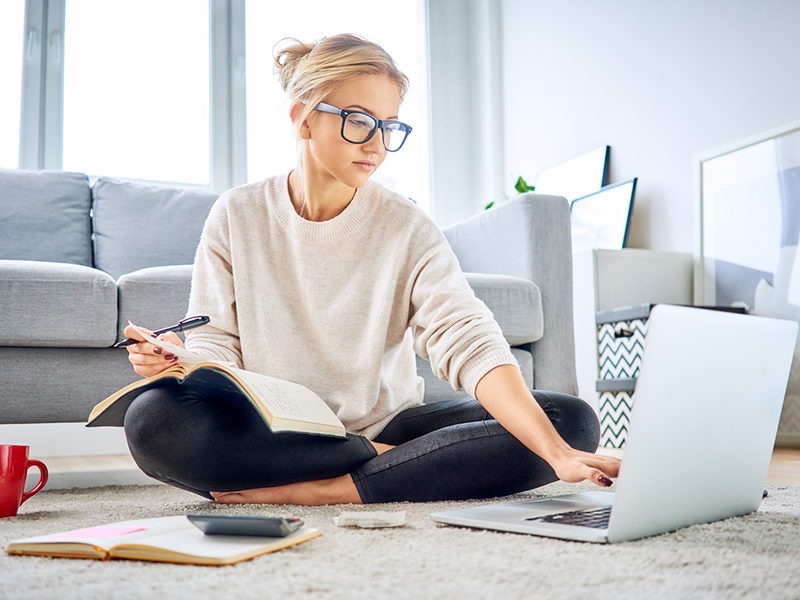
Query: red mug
(14,465)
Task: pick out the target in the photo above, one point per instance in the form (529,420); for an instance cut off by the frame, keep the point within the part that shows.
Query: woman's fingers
(600,479)
(172,338)
(147,359)
(132,333)
(608,465)
(581,466)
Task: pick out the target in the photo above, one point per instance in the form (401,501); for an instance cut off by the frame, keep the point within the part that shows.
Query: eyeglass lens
(358,127)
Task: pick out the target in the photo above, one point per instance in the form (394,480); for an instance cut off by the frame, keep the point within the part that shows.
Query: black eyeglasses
(359,127)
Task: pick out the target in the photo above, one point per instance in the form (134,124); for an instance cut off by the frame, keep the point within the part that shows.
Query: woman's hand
(147,359)
(577,466)
(503,392)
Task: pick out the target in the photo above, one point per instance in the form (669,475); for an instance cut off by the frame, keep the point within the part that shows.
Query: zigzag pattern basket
(620,341)
(620,346)
(615,410)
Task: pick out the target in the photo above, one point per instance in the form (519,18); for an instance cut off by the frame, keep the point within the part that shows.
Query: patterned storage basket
(620,341)
(616,403)
(620,344)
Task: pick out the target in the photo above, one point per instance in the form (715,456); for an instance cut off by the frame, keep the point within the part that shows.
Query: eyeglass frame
(344,113)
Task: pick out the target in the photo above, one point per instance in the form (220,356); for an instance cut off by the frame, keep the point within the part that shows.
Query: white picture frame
(747,249)
(577,177)
(738,219)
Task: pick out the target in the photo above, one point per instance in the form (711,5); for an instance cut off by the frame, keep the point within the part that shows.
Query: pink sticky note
(98,533)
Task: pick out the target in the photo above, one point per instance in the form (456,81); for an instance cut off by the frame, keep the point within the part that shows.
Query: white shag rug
(755,556)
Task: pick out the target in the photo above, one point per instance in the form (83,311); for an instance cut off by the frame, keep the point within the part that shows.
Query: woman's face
(333,156)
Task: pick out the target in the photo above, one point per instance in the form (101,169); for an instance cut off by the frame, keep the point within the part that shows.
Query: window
(12,18)
(155,89)
(136,89)
(398,26)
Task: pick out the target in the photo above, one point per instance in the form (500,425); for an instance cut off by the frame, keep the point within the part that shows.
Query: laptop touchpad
(551,505)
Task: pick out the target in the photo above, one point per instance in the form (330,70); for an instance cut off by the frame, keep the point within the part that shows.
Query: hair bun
(288,54)
(309,73)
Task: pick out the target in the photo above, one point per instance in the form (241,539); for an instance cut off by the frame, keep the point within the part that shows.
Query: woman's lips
(366,165)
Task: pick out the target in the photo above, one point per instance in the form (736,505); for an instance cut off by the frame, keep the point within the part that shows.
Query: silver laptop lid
(705,415)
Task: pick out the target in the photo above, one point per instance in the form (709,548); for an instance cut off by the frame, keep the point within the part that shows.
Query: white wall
(657,81)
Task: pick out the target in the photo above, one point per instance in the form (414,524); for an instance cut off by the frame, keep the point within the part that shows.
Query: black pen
(187,323)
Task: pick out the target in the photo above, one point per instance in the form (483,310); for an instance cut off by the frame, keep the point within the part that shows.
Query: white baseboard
(65,439)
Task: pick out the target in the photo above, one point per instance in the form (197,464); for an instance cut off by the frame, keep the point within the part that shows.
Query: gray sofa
(78,261)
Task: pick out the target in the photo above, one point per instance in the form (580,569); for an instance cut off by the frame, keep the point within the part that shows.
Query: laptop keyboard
(597,518)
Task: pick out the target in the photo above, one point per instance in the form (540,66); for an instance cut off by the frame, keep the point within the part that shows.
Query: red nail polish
(157,350)
(605,481)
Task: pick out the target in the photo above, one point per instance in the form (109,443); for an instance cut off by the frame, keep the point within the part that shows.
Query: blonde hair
(310,72)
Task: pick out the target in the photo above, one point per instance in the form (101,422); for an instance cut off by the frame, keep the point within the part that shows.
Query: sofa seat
(74,306)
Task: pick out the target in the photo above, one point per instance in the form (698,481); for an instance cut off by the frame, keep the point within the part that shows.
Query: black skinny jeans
(452,450)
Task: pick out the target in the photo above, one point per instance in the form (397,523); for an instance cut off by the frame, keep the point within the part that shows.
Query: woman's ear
(294,115)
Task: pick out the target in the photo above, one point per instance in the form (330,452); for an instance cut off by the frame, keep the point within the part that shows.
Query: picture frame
(603,219)
(577,177)
(747,208)
(747,225)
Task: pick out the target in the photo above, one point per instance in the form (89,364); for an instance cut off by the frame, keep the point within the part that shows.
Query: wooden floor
(785,467)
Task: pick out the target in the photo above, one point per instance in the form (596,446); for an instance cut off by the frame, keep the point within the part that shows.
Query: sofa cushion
(44,215)
(59,385)
(155,297)
(57,305)
(515,303)
(138,225)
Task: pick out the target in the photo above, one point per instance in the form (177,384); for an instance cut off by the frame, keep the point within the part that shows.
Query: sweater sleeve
(453,329)
(212,291)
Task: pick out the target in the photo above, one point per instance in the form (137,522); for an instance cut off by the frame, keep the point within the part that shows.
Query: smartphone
(245,525)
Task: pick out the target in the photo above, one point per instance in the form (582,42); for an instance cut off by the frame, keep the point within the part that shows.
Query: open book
(163,539)
(284,406)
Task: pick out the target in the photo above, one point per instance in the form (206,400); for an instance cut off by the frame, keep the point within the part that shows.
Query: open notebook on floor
(706,412)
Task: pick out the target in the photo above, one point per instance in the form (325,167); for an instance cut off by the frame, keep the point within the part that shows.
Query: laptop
(704,420)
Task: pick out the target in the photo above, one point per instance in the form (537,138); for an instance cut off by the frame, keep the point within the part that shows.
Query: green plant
(521,186)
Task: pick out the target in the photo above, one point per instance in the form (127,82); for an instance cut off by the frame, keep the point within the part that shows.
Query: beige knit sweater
(332,305)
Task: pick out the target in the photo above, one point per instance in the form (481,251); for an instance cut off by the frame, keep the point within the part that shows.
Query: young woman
(323,277)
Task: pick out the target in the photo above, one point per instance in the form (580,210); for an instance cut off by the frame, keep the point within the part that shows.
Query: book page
(194,543)
(288,400)
(106,537)
(166,539)
(101,532)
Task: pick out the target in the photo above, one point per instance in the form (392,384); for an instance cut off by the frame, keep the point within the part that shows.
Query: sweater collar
(321,232)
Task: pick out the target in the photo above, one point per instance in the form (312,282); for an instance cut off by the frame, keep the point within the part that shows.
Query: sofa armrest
(515,303)
(529,237)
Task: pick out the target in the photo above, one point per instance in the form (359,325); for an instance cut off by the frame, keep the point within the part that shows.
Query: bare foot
(381,448)
(339,490)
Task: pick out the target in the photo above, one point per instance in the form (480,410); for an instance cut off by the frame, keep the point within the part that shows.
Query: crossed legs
(217,443)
